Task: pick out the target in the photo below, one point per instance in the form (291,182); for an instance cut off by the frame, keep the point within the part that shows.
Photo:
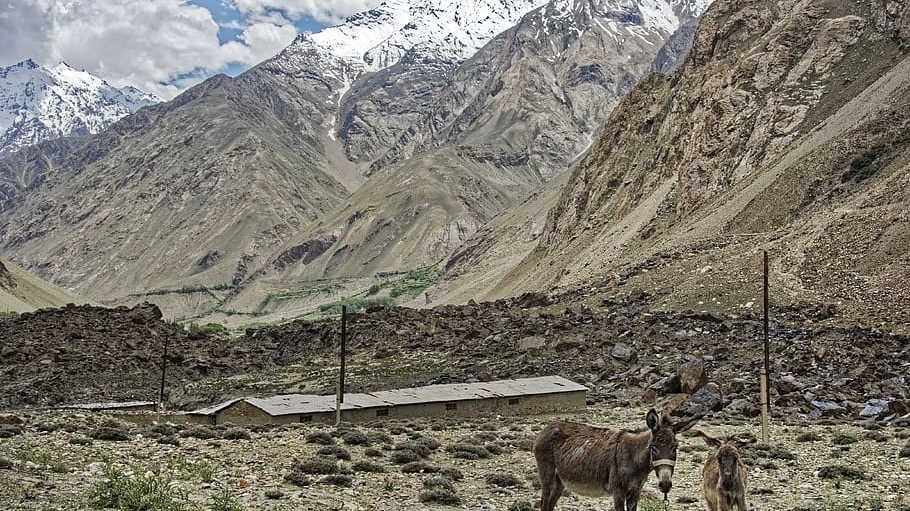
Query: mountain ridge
(38,103)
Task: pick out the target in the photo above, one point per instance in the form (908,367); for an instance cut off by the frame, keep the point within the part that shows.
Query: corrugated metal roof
(289,404)
(215,408)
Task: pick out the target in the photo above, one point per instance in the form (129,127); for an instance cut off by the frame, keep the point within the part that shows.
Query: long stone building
(513,397)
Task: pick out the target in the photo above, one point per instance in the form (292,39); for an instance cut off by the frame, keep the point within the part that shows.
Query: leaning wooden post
(339,395)
(765,390)
(163,371)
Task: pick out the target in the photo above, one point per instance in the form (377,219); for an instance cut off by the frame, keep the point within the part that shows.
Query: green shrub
(367,466)
(439,490)
(138,493)
(237,433)
(451,473)
(775,452)
(438,482)
(809,436)
(503,479)
(316,465)
(844,439)
(468,451)
(355,438)
(338,480)
(158,430)
(9,430)
(335,450)
(418,447)
(273,494)
(110,433)
(419,467)
(207,329)
(373,453)
(320,437)
(521,505)
(404,456)
(200,432)
(379,437)
(225,501)
(841,472)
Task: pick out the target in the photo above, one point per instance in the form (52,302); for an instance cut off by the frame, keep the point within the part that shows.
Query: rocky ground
(624,351)
(50,461)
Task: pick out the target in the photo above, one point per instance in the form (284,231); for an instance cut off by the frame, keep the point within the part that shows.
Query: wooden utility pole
(765,390)
(339,396)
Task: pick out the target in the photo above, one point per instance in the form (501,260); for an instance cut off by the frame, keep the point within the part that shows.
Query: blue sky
(227,16)
(160,46)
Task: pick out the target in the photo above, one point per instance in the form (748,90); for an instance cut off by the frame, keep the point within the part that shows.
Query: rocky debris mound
(81,354)
(623,351)
(626,351)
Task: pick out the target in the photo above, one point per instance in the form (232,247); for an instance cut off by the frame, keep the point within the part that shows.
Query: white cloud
(331,11)
(141,43)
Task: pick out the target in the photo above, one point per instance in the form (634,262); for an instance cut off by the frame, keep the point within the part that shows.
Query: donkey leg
(619,502)
(546,480)
(555,492)
(632,502)
(741,502)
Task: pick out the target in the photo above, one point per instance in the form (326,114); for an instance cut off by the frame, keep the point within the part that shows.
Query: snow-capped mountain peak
(447,30)
(39,103)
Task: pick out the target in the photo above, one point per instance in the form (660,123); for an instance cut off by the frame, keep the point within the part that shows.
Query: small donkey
(724,476)
(598,461)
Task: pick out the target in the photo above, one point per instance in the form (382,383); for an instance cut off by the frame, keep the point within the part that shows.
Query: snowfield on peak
(453,31)
(378,38)
(40,103)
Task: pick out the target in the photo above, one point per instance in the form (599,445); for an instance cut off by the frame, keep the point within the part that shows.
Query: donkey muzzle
(664,470)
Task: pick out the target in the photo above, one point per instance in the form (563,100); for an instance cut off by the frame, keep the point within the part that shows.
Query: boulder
(693,375)
(531,343)
(825,409)
(874,408)
(666,385)
(707,399)
(567,344)
(624,352)
(743,407)
(787,384)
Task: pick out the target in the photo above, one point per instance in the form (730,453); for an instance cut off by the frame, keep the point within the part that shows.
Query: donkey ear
(710,440)
(740,442)
(652,419)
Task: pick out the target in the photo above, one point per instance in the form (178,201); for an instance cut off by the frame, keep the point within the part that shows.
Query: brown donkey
(599,461)
(724,476)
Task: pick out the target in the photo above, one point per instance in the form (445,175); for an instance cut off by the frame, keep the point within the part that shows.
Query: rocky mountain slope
(20,291)
(39,103)
(785,130)
(252,175)
(511,117)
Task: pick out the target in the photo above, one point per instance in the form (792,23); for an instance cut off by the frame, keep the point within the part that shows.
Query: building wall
(244,413)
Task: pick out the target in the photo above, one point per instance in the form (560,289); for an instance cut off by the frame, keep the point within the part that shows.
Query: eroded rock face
(6,278)
(767,127)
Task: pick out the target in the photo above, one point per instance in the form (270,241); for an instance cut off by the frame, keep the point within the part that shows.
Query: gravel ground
(49,472)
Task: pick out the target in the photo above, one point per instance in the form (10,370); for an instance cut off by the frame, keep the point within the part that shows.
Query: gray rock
(707,399)
(692,376)
(624,352)
(532,342)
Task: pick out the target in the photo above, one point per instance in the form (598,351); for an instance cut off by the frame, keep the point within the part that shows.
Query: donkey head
(727,456)
(662,448)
